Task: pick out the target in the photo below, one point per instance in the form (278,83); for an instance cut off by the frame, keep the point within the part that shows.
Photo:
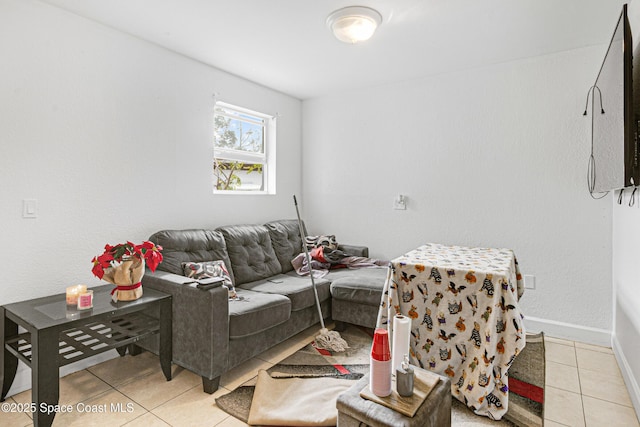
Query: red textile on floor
(338,367)
(526,390)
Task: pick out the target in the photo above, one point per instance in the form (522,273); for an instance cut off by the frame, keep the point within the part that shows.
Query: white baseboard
(569,331)
(22,381)
(632,385)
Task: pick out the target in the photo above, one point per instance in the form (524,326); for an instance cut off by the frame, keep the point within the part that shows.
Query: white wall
(494,156)
(626,280)
(112,136)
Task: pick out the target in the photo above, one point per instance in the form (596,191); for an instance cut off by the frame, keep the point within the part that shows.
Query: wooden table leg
(8,362)
(166,346)
(45,380)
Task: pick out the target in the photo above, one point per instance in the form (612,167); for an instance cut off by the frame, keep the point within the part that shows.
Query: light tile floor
(584,387)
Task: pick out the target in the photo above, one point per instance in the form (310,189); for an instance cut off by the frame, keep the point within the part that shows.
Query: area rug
(525,403)
(526,384)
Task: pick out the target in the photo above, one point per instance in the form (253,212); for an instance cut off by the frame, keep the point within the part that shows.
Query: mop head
(330,340)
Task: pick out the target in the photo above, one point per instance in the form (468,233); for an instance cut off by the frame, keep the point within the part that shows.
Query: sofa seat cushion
(256,312)
(363,289)
(251,253)
(296,288)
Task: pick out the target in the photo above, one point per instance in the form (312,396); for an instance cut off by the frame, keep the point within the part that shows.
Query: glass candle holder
(85,300)
(73,292)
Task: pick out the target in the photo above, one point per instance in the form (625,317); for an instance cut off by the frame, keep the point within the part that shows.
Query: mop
(327,340)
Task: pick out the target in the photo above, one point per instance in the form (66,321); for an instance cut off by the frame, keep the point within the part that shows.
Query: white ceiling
(285,44)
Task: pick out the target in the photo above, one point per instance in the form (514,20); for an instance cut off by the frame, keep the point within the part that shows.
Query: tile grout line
(141,415)
(575,358)
(116,389)
(175,397)
(223,420)
(584,414)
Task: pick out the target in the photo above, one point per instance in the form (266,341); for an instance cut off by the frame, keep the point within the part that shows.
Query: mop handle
(306,254)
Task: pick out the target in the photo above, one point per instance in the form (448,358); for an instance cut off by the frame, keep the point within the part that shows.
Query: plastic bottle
(404,378)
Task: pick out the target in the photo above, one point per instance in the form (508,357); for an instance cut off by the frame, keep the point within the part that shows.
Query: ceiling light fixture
(354,24)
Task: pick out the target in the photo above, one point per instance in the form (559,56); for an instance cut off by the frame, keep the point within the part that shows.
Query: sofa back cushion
(194,245)
(287,244)
(250,251)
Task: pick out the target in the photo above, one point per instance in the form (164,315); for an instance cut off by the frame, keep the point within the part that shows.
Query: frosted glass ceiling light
(354,24)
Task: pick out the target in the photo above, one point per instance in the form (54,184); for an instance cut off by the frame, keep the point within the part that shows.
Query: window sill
(242,193)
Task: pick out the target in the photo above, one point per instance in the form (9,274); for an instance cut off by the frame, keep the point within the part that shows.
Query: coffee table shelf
(93,338)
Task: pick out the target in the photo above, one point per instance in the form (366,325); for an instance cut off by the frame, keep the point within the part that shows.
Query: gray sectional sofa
(212,334)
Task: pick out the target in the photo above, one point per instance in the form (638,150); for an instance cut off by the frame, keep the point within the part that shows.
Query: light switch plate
(29,208)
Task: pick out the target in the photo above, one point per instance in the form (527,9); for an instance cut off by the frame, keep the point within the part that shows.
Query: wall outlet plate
(400,203)
(529,281)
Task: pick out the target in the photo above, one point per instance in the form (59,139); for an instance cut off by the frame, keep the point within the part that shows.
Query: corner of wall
(630,381)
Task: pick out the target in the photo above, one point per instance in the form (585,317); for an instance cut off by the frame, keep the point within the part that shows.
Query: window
(243,151)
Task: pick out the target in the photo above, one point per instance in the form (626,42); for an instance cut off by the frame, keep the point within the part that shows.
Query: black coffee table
(57,336)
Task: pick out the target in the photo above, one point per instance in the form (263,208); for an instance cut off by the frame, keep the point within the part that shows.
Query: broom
(327,340)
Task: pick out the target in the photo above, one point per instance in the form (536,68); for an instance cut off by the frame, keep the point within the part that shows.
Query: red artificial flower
(97,269)
(147,252)
(153,257)
(105,259)
(149,245)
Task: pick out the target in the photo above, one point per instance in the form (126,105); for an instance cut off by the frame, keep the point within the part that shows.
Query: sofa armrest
(200,323)
(362,251)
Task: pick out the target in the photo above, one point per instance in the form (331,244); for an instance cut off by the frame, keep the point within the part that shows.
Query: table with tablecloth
(465,319)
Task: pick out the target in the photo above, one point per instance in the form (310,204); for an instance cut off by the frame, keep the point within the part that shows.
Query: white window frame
(267,158)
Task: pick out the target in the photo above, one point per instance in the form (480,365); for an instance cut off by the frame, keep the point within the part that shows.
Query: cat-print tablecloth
(466,322)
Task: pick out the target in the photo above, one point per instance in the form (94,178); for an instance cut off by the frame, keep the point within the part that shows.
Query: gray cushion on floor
(297,288)
(256,313)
